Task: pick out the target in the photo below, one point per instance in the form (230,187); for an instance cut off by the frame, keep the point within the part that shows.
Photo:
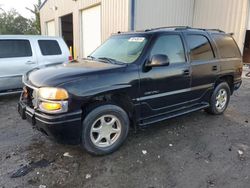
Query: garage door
(51,28)
(91,29)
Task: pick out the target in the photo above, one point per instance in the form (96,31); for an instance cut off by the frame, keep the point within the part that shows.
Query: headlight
(50,93)
(53,100)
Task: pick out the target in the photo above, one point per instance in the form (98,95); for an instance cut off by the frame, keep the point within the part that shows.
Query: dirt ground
(193,151)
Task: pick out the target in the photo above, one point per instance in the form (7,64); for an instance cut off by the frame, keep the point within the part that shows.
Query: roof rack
(184,28)
(218,30)
(168,27)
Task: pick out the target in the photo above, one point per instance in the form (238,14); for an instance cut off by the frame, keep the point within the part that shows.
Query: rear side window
(200,48)
(170,45)
(15,48)
(49,47)
(226,46)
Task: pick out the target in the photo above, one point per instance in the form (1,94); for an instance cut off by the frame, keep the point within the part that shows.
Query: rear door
(204,64)
(16,58)
(51,51)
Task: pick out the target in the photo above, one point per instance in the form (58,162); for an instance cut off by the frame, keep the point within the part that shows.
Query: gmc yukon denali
(132,80)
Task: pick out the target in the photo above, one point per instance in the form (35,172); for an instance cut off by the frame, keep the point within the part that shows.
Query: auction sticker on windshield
(136,39)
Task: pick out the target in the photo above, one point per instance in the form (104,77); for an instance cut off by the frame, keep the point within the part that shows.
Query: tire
(215,108)
(100,122)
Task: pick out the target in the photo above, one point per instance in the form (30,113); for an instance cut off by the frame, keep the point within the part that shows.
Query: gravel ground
(193,151)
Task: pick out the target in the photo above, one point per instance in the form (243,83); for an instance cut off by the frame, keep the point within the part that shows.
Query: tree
(36,12)
(11,22)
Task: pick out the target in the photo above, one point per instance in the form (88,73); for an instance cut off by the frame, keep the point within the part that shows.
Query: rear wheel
(105,129)
(219,99)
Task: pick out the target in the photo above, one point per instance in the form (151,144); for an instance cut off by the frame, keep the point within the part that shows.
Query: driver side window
(170,45)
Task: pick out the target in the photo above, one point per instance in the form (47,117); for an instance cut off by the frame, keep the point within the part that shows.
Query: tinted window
(170,45)
(200,48)
(49,47)
(227,46)
(15,48)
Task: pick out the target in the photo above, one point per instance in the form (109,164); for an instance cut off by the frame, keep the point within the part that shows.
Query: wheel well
(230,81)
(121,100)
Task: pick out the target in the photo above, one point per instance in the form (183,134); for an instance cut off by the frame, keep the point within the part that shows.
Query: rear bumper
(65,128)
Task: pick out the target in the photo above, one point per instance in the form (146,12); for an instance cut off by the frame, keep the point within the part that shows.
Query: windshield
(123,48)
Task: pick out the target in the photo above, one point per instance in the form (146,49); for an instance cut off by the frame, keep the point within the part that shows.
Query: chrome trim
(32,87)
(64,105)
(174,92)
(38,101)
(12,76)
(11,92)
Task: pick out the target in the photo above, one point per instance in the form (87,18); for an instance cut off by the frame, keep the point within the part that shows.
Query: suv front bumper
(65,128)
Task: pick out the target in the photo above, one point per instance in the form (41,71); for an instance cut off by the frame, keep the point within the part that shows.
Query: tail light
(71,53)
(70,58)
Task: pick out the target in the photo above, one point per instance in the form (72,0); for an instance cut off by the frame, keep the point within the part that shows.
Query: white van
(21,53)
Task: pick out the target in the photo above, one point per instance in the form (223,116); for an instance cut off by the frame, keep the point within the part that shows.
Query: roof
(45,1)
(27,37)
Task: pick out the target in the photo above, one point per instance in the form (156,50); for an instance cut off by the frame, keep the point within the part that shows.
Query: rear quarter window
(227,46)
(49,47)
(15,48)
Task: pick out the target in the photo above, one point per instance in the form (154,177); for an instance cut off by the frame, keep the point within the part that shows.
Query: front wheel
(105,128)
(219,99)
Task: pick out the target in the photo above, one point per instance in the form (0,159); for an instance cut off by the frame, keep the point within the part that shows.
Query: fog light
(49,106)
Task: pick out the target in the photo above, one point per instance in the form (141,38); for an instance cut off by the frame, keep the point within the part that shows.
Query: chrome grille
(35,98)
(30,96)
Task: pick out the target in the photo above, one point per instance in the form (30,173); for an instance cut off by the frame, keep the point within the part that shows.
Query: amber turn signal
(50,106)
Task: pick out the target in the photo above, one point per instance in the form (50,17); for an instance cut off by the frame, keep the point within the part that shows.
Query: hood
(56,75)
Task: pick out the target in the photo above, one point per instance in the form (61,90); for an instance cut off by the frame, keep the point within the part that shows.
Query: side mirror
(158,61)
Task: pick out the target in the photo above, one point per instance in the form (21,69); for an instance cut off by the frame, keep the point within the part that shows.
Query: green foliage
(11,22)
(35,11)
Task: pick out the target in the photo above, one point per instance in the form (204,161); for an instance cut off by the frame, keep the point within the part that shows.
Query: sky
(19,5)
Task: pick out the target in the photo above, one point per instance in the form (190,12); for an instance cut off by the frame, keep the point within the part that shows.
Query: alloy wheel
(105,131)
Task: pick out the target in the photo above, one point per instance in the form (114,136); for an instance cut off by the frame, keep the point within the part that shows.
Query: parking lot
(196,150)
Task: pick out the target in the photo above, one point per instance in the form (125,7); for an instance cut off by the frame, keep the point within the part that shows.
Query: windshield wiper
(91,57)
(112,61)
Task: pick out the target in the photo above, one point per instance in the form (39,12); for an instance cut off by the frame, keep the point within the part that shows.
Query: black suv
(133,79)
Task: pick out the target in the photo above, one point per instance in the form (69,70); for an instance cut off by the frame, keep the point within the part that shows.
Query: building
(85,24)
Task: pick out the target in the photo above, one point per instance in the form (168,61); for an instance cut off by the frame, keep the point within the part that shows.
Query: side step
(173,114)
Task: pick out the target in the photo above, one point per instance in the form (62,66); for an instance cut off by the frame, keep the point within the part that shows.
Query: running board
(173,114)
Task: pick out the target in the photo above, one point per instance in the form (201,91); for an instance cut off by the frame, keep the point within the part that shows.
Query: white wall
(230,16)
(51,28)
(227,15)
(157,13)
(91,29)
(114,17)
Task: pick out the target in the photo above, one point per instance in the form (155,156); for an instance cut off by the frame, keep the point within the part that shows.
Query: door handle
(30,63)
(215,68)
(186,72)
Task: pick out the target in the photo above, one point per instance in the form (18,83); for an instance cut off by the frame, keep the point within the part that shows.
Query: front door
(167,88)
(16,58)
